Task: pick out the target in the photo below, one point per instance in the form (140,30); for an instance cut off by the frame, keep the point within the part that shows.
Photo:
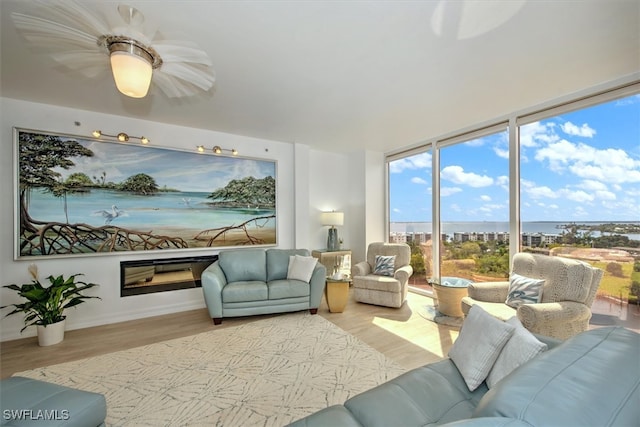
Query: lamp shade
(131,73)
(332,218)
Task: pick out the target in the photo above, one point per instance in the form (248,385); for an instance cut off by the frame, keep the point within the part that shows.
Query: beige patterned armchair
(568,292)
(377,289)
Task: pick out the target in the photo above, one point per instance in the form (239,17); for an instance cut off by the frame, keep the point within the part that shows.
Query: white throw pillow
(521,347)
(524,290)
(301,267)
(478,345)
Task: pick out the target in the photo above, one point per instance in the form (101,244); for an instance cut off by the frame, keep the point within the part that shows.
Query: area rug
(264,373)
(430,312)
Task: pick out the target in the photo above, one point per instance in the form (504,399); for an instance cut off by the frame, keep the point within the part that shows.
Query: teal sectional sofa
(247,282)
(591,379)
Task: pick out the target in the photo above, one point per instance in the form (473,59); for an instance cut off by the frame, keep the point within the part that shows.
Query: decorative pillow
(301,267)
(385,265)
(523,290)
(521,347)
(478,345)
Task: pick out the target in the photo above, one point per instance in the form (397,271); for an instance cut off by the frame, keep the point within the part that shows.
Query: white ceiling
(352,75)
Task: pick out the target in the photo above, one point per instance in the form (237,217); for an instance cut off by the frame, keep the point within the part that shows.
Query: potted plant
(45,306)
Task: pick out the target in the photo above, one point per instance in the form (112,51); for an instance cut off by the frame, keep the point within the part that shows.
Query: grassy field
(617,287)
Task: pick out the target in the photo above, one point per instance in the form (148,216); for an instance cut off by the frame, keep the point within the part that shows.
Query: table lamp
(332,219)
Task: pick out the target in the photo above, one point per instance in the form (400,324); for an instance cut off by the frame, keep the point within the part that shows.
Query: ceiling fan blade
(180,51)
(53,35)
(175,87)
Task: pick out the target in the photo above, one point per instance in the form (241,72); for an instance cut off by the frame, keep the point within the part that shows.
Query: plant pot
(51,334)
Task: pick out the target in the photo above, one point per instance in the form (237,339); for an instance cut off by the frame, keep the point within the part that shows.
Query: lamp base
(333,244)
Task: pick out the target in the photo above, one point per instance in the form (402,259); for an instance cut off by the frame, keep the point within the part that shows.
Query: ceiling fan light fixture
(132,65)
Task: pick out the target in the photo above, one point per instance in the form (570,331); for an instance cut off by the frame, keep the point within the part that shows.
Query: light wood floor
(401,334)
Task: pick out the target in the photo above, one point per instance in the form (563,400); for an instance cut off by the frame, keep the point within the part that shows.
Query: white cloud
(533,134)
(478,142)
(457,175)
(591,185)
(396,210)
(455,207)
(577,196)
(500,152)
(611,165)
(485,198)
(447,191)
(418,180)
(419,161)
(585,130)
(605,195)
(540,192)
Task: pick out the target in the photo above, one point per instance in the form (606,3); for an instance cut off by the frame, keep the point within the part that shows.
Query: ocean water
(544,227)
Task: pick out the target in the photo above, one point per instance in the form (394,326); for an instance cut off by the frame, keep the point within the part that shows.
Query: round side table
(337,294)
(449,293)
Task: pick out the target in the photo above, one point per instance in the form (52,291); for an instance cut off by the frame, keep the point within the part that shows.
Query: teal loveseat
(247,282)
(591,379)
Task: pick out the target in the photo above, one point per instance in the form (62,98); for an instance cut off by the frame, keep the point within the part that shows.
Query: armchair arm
(403,273)
(555,319)
(317,283)
(360,269)
(213,281)
(489,291)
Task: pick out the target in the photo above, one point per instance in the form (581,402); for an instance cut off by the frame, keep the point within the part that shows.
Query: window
(569,185)
(474,207)
(580,192)
(410,212)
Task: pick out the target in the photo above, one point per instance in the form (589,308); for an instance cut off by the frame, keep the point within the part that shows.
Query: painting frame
(79,196)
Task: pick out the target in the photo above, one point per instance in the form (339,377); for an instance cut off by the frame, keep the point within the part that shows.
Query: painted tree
(140,183)
(38,156)
(249,191)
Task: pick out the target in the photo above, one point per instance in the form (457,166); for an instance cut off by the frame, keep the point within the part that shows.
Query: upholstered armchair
(387,285)
(564,308)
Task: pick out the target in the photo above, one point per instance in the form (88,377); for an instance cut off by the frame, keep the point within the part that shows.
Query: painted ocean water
(165,209)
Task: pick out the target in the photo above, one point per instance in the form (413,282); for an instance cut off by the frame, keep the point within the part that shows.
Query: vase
(51,334)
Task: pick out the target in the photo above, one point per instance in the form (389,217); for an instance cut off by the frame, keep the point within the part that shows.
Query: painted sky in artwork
(180,170)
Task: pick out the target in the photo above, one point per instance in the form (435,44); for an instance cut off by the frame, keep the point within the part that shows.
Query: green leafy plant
(46,305)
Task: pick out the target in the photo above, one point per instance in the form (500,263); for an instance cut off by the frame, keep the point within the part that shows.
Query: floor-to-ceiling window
(569,186)
(410,211)
(580,195)
(474,205)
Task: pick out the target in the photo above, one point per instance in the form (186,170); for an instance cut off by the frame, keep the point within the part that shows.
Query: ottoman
(28,402)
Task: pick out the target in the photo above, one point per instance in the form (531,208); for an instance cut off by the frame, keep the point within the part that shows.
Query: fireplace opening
(161,275)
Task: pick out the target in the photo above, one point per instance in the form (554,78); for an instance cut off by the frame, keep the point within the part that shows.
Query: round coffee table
(449,293)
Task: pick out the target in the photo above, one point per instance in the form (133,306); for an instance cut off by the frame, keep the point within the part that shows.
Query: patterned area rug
(265,373)
(431,313)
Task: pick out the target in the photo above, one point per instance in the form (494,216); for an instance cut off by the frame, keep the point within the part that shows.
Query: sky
(578,166)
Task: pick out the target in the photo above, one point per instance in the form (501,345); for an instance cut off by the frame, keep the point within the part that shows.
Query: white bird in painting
(109,216)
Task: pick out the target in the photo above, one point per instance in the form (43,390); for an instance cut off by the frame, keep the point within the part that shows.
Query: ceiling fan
(82,38)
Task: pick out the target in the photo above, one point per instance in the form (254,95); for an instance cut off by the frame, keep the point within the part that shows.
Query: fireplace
(161,275)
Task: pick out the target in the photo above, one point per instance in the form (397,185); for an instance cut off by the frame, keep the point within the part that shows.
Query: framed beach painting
(79,196)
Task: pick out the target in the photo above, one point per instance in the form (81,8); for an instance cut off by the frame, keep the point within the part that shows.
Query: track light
(216,149)
(122,137)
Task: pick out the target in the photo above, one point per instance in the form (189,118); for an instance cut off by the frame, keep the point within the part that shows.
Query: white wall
(105,269)
(309,182)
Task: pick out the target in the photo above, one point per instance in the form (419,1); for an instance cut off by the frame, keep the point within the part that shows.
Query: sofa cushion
(524,290)
(432,394)
(278,262)
(279,289)
(590,379)
(521,347)
(245,291)
(243,265)
(478,345)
